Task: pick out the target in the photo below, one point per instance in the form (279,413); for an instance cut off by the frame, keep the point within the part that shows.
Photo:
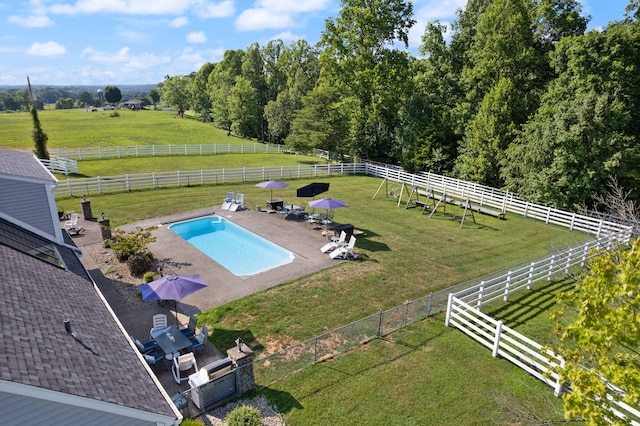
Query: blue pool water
(237,249)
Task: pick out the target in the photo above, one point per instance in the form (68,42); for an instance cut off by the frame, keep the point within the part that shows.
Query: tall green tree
(154,94)
(244,110)
(112,94)
(253,67)
(588,124)
(37,134)
(221,80)
(321,123)
(174,91)
(200,99)
(360,55)
(603,340)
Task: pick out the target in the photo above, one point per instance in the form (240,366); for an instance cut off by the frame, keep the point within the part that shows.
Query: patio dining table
(171,340)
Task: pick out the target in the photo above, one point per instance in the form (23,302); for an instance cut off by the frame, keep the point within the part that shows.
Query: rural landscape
(520,98)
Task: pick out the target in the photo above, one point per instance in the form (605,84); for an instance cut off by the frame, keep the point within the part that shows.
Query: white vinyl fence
(464,313)
(491,197)
(131,182)
(167,150)
(60,165)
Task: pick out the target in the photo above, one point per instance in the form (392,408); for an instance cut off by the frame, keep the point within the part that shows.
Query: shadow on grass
(531,304)
(283,400)
(224,339)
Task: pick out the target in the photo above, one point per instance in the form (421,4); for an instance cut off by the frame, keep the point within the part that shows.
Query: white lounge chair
(345,252)
(238,203)
(228,201)
(334,243)
(72,222)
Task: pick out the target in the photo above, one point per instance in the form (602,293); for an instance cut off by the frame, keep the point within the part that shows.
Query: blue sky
(110,42)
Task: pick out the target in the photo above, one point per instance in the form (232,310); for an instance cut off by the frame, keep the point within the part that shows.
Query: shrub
(244,415)
(138,263)
(192,422)
(148,277)
(126,244)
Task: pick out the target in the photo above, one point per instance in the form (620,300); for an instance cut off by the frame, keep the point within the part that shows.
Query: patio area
(179,257)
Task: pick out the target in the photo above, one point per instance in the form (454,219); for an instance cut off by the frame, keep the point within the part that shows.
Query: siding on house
(29,203)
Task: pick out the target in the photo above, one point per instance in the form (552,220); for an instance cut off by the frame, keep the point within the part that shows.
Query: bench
(483,210)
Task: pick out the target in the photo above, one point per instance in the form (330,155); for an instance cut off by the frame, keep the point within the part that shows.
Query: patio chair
(238,203)
(228,201)
(189,330)
(72,222)
(153,358)
(183,363)
(282,211)
(146,346)
(345,252)
(159,322)
(334,243)
(201,340)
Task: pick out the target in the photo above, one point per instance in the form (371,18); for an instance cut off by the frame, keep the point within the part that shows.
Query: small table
(168,345)
(274,204)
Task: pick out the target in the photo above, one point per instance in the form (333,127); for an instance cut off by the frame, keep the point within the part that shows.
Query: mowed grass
(424,374)
(76,128)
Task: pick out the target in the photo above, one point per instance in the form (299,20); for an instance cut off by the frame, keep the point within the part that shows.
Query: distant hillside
(128,88)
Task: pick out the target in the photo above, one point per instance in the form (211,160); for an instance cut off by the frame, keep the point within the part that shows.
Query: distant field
(77,128)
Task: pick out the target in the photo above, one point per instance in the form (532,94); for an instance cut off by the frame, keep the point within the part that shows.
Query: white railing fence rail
(131,182)
(464,312)
(60,165)
(106,152)
(491,197)
(500,287)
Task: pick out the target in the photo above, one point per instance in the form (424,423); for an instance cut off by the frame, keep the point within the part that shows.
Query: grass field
(76,128)
(424,374)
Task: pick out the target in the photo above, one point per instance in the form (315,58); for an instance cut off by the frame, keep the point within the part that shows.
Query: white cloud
(196,37)
(178,22)
(133,7)
(32,21)
(293,6)
(259,19)
(124,59)
(202,8)
(223,9)
(50,48)
(287,36)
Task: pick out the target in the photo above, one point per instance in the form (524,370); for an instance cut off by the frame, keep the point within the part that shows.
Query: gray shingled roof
(100,364)
(23,164)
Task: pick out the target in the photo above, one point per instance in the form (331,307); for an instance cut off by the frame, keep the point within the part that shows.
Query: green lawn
(76,128)
(425,374)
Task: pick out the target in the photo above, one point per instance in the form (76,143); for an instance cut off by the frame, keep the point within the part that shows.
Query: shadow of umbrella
(172,287)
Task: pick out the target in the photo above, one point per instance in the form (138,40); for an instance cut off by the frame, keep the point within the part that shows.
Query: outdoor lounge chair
(183,363)
(238,203)
(228,201)
(72,222)
(334,243)
(345,252)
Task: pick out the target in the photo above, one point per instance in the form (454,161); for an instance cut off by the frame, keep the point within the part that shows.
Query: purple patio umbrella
(327,203)
(172,287)
(271,184)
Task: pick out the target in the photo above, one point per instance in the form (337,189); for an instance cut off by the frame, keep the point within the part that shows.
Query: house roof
(23,164)
(97,363)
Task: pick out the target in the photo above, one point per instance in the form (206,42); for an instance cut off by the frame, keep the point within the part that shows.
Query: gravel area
(270,416)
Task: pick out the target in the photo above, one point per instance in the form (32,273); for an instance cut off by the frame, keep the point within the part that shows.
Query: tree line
(515,94)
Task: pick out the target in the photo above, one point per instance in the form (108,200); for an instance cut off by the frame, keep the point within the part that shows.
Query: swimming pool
(237,249)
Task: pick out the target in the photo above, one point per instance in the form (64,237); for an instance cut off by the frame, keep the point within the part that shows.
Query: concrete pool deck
(179,257)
